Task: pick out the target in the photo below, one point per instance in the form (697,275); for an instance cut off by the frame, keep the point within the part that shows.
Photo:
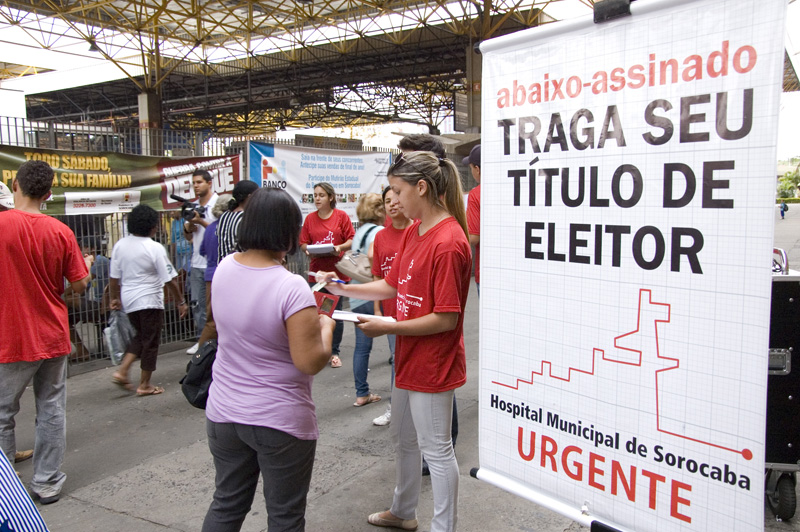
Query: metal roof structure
(252,66)
(244,66)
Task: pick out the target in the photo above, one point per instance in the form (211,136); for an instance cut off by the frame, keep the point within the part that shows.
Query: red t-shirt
(37,252)
(431,274)
(337,229)
(474,225)
(384,249)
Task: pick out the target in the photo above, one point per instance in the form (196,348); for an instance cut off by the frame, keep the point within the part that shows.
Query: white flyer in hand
(320,249)
(342,315)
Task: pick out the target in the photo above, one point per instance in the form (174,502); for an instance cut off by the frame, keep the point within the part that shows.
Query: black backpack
(197,381)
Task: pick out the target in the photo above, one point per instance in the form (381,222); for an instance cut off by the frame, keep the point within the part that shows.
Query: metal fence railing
(88,312)
(97,234)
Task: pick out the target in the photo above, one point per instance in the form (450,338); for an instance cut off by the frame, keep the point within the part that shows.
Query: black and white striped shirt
(228,233)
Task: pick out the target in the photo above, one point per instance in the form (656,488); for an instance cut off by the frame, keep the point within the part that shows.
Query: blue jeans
(197,284)
(361,352)
(240,453)
(50,391)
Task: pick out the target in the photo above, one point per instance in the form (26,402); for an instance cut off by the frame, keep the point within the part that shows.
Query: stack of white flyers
(342,315)
(319,249)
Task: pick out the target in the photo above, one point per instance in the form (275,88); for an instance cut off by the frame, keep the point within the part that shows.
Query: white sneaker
(192,350)
(384,420)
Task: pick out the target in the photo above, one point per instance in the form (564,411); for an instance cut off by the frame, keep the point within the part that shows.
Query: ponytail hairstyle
(442,178)
(241,191)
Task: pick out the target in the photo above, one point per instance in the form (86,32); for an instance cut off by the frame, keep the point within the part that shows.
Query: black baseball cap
(474,156)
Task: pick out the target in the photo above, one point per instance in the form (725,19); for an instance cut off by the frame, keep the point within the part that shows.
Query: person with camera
(195,228)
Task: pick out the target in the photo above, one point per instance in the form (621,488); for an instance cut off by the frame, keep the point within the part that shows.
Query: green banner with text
(106,182)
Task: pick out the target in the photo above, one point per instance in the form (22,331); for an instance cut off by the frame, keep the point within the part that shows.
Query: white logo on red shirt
(405,300)
(327,239)
(386,266)
(408,275)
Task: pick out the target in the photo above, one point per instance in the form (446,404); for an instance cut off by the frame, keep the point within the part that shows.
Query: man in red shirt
(39,252)
(474,209)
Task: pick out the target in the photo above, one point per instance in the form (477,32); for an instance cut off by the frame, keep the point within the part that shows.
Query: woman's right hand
(332,282)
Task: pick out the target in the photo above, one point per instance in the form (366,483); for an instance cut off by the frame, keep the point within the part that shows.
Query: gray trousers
(240,453)
(50,391)
(422,422)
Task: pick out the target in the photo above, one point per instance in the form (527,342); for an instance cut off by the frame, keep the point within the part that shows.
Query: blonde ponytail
(454,195)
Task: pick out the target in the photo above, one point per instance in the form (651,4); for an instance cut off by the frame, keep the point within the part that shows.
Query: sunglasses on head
(401,159)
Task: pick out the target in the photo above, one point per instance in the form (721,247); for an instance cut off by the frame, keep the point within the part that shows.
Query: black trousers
(240,453)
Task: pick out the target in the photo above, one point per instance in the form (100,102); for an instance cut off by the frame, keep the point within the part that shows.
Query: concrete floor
(142,464)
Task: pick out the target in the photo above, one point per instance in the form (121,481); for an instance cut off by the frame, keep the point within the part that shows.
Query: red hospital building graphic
(632,345)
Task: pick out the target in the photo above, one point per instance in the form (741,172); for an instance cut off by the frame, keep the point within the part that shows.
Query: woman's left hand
(373,327)
(326,322)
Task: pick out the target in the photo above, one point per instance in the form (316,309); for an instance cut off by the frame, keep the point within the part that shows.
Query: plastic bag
(117,335)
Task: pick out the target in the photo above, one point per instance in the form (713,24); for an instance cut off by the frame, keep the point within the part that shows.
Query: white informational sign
(99,202)
(627,230)
(297,169)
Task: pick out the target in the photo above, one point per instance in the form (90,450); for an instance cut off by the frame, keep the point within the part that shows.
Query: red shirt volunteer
(474,225)
(337,229)
(384,250)
(35,326)
(425,272)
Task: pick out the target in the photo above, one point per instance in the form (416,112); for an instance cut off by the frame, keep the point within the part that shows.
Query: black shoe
(425,471)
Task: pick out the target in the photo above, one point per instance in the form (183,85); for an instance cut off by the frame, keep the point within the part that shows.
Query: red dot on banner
(748,454)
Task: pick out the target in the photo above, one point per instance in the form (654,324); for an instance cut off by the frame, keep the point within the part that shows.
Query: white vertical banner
(627,230)
(297,169)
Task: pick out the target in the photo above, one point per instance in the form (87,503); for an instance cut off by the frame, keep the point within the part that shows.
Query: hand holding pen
(327,280)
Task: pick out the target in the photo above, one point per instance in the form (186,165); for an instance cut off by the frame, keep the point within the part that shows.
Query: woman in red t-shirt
(430,278)
(328,225)
(385,247)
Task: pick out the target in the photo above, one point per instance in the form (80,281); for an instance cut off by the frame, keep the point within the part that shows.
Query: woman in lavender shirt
(260,415)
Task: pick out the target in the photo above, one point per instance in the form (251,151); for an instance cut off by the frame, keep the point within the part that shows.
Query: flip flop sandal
(122,383)
(157,390)
(371,398)
(336,362)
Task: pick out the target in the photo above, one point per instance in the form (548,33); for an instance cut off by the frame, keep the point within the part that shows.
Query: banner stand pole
(581,516)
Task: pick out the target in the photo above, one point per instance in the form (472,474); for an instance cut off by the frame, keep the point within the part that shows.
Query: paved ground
(142,464)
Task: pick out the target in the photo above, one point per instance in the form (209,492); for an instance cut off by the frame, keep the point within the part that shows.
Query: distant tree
(787,184)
